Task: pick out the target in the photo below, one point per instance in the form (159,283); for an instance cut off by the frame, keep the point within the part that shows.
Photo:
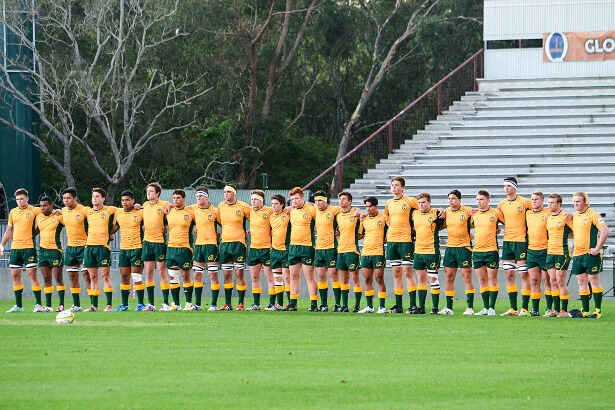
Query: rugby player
(280,239)
(427,224)
(154,246)
(50,252)
(348,257)
(129,222)
(559,229)
(590,233)
(400,249)
(374,229)
(514,251)
(205,248)
(232,216)
(325,254)
(485,253)
(97,253)
(458,254)
(260,243)
(301,249)
(75,221)
(179,249)
(537,253)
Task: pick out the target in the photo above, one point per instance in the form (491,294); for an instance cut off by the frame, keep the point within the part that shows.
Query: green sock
(337,295)
(242,295)
(549,300)
(214,297)
(150,294)
(124,293)
(536,305)
(76,299)
(564,304)
(48,299)
(598,300)
(228,293)
(435,299)
(165,296)
(198,294)
(323,295)
(585,302)
(345,293)
(313,303)
(470,300)
(493,296)
(140,296)
(94,300)
(485,296)
(288,296)
(449,302)
(272,297)
(512,296)
(370,301)
(188,293)
(357,299)
(525,301)
(280,298)
(412,296)
(382,301)
(37,296)
(175,295)
(109,296)
(399,301)
(422,297)
(556,304)
(294,302)
(257,298)
(61,296)
(18,297)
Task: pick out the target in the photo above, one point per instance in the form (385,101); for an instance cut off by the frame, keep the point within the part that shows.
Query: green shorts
(73,256)
(400,251)
(300,254)
(348,261)
(154,251)
(590,264)
(49,257)
(205,253)
(96,256)
(429,262)
(514,251)
(325,257)
(457,257)
(537,259)
(130,258)
(489,259)
(232,252)
(278,259)
(373,261)
(258,257)
(558,262)
(22,257)
(179,257)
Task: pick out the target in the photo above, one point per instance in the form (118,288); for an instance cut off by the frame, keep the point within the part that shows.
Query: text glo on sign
(562,47)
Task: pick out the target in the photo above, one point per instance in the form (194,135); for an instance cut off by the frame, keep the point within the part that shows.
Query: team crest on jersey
(519,209)
(210,217)
(328,216)
(462,217)
(78,217)
(135,218)
(559,224)
(305,216)
(28,215)
(265,216)
(352,219)
(186,217)
(380,223)
(53,220)
(491,219)
(283,219)
(544,218)
(159,211)
(238,213)
(404,207)
(430,219)
(585,221)
(103,216)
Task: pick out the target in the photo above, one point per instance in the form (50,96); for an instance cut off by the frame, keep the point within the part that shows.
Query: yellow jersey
(131,224)
(181,224)
(585,226)
(326,224)
(485,227)
(427,226)
(458,225)
(537,239)
(22,220)
(399,212)
(76,223)
(302,221)
(512,215)
(260,228)
(100,223)
(280,234)
(349,226)
(154,221)
(50,228)
(374,229)
(232,219)
(205,220)
(558,230)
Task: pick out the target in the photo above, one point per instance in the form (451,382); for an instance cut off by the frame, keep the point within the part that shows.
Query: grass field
(300,359)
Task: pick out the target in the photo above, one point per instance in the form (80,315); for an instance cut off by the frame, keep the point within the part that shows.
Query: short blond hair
(584,195)
(540,194)
(557,197)
(425,195)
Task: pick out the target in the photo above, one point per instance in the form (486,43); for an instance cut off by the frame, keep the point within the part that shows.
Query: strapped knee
(227,266)
(212,269)
(136,277)
(31,265)
(509,266)
(173,276)
(522,268)
(278,278)
(396,263)
(407,263)
(435,284)
(198,269)
(239,266)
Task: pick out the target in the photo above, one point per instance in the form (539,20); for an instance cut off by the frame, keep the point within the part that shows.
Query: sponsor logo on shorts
(186,265)
(466,263)
(594,269)
(493,265)
(557,265)
(433,265)
(240,259)
(352,266)
(522,255)
(308,261)
(378,264)
(210,258)
(31,259)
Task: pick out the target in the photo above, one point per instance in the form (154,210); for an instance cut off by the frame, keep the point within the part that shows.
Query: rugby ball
(65,317)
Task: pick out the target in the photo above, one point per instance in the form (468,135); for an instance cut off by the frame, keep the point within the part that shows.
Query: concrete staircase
(552,135)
